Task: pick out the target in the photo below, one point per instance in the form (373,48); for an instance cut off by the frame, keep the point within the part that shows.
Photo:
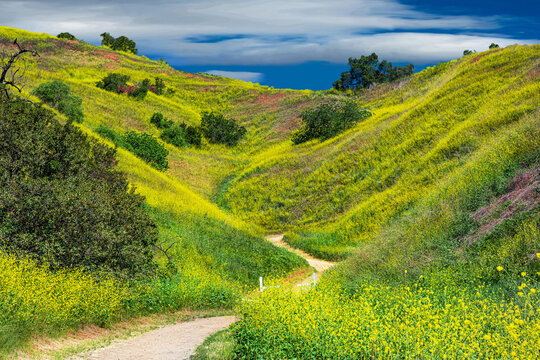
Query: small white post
(314,279)
(261,284)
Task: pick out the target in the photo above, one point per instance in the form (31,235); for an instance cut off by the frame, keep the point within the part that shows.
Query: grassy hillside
(432,201)
(216,256)
(435,202)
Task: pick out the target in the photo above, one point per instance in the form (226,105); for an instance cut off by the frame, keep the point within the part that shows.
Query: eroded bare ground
(523,195)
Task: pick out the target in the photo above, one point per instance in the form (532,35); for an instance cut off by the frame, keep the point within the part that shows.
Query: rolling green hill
(434,192)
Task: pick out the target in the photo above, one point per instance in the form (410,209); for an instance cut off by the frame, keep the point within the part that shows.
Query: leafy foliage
(61,199)
(468,52)
(494,46)
(121,43)
(328,120)
(113,82)
(147,148)
(216,128)
(368,70)
(175,135)
(143,145)
(58,95)
(160,121)
(66,35)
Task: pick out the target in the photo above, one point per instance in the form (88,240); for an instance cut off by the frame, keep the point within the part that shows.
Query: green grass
(395,196)
(218,346)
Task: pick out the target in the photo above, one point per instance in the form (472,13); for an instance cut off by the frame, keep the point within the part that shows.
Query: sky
(299,44)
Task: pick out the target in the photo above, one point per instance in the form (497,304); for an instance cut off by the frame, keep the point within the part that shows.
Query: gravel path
(173,342)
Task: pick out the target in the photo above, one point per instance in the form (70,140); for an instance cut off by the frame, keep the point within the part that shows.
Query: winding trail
(173,342)
(179,341)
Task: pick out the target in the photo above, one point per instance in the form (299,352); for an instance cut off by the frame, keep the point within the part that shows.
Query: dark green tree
(160,121)
(114,82)
(217,129)
(122,43)
(147,148)
(66,35)
(175,135)
(467,52)
(493,46)
(368,70)
(328,120)
(107,39)
(63,201)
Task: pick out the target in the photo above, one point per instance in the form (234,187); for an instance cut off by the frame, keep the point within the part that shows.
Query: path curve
(179,341)
(173,342)
(317,264)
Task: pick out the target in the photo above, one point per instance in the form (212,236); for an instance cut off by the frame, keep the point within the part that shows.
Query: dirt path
(317,264)
(179,341)
(173,342)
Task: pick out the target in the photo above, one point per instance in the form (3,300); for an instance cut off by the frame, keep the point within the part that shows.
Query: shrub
(114,82)
(62,200)
(493,46)
(140,91)
(328,120)
(175,135)
(193,135)
(121,43)
(147,148)
(66,35)
(59,96)
(143,145)
(160,121)
(158,87)
(216,128)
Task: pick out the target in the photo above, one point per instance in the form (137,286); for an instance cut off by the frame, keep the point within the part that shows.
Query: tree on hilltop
(121,43)
(368,70)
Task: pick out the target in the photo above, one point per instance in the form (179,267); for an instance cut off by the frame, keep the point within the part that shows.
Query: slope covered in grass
(207,257)
(436,202)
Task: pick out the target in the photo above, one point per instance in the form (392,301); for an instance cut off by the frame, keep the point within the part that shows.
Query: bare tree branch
(8,77)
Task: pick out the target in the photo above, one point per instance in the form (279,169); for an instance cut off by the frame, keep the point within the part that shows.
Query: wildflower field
(431,204)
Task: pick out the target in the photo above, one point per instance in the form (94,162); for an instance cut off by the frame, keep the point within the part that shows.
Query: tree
(114,82)
(216,128)
(62,199)
(327,120)
(66,35)
(493,46)
(368,70)
(107,40)
(121,43)
(467,52)
(11,74)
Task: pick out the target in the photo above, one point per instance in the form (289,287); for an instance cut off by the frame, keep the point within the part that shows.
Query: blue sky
(286,43)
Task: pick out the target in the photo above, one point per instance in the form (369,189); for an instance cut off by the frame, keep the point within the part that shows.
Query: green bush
(216,128)
(140,91)
(58,95)
(147,148)
(66,35)
(160,121)
(121,43)
(114,82)
(193,135)
(328,120)
(143,145)
(175,135)
(62,200)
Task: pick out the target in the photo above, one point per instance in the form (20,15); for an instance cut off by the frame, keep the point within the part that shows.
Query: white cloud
(240,75)
(276,32)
